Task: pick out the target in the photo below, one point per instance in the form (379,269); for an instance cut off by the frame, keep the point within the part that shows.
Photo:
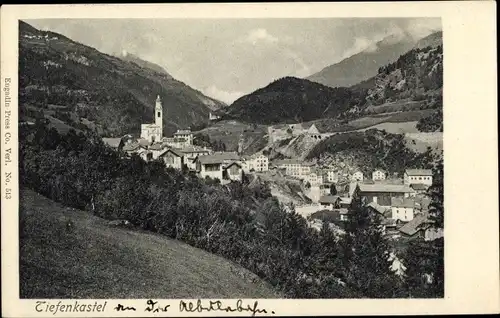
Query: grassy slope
(95,260)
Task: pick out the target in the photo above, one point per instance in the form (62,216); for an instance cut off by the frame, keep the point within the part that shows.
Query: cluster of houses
(404,207)
(179,152)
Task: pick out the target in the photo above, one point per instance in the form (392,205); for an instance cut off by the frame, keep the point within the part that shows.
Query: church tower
(159,116)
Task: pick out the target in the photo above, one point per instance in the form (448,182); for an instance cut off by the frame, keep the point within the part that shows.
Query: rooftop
(286,162)
(132,147)
(419,172)
(157,146)
(376,207)
(419,186)
(183,132)
(402,203)
(380,187)
(218,158)
(175,152)
(112,142)
(329,199)
(192,149)
(415,225)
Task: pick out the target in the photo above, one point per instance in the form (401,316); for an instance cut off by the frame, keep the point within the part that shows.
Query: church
(154,132)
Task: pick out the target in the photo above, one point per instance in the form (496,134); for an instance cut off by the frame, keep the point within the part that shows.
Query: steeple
(159,114)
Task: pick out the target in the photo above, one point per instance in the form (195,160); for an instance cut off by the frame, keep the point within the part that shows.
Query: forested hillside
(292,99)
(372,149)
(239,221)
(85,88)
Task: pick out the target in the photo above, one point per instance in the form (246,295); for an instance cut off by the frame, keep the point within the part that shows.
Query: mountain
(433,40)
(129,57)
(363,65)
(292,99)
(64,80)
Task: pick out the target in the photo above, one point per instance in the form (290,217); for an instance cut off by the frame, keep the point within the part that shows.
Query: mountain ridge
(364,65)
(115,94)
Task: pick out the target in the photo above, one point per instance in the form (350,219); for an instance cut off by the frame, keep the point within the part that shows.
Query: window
(159,114)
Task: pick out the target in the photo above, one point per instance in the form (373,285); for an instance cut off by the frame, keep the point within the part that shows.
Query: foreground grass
(68,253)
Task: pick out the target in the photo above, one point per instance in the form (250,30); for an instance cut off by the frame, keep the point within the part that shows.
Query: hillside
(129,57)
(432,40)
(369,150)
(363,65)
(113,262)
(292,99)
(85,84)
(415,76)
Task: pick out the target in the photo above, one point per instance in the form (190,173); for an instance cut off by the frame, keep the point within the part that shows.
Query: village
(401,202)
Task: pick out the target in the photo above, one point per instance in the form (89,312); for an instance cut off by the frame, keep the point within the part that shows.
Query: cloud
(226,96)
(304,69)
(361,44)
(260,35)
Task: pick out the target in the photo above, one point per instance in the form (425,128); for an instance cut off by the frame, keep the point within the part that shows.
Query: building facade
(402,209)
(357,176)
(418,176)
(378,175)
(154,132)
(172,158)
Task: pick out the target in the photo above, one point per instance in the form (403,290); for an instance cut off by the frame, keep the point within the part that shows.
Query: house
(212,116)
(191,153)
(324,188)
(256,162)
(213,165)
(315,177)
(345,203)
(156,149)
(419,188)
(233,171)
(184,137)
(378,175)
(376,207)
(421,176)
(383,193)
(357,176)
(402,209)
(172,158)
(331,176)
(135,147)
(305,168)
(114,143)
(329,202)
(421,227)
(292,167)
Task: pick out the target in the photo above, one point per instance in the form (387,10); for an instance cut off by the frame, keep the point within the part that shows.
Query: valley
(272,196)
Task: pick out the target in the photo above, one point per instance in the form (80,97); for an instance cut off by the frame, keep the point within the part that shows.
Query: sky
(228,58)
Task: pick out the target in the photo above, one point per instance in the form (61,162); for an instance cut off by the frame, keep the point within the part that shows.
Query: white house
(213,165)
(233,171)
(306,168)
(131,148)
(378,175)
(184,138)
(154,132)
(329,202)
(331,176)
(402,209)
(156,149)
(172,158)
(357,176)
(415,176)
(315,177)
(191,153)
(292,167)
(256,162)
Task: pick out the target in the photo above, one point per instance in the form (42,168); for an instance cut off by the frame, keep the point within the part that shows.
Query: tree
(366,254)
(333,189)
